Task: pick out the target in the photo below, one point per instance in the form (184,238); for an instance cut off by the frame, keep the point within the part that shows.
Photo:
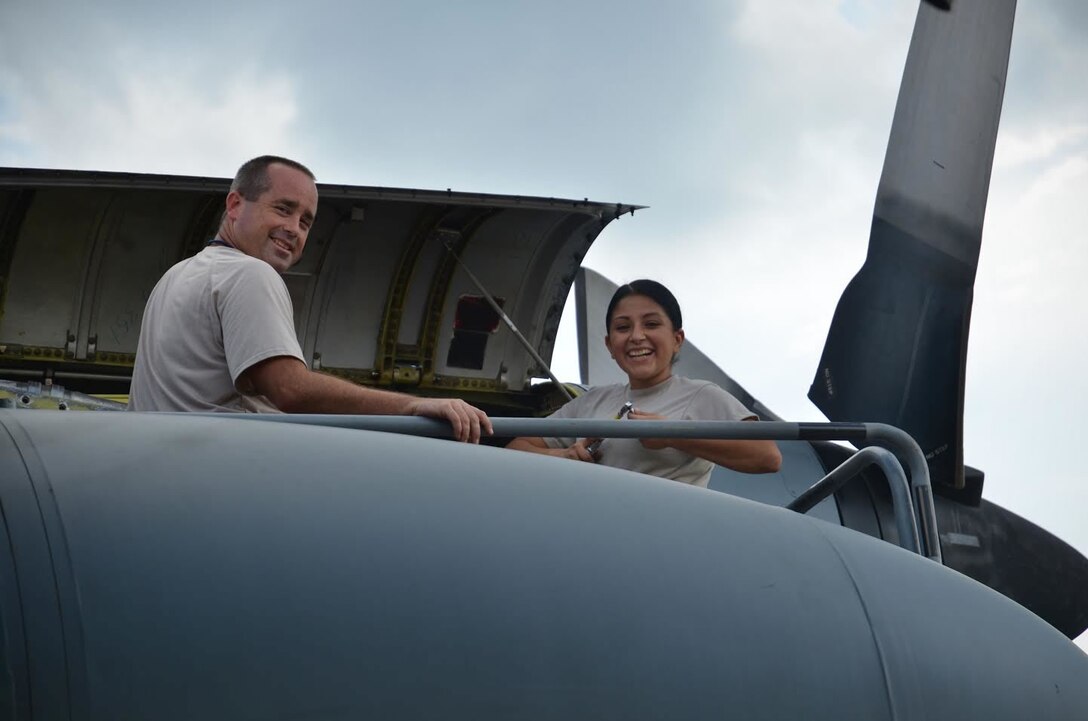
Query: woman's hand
(580,451)
(653,444)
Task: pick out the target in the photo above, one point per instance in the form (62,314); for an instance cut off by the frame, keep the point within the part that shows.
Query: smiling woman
(644,336)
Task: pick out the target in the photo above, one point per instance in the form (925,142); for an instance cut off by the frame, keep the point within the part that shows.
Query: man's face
(274,227)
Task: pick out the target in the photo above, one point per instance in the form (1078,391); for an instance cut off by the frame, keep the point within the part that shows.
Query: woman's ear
(608,345)
(679,336)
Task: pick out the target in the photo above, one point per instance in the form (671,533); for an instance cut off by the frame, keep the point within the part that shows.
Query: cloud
(155,120)
(755,130)
(771,241)
(1019,146)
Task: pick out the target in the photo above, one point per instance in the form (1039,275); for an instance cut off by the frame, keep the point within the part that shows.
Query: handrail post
(919,478)
(905,520)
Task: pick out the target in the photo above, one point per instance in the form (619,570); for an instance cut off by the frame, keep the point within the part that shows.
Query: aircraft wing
(1014,556)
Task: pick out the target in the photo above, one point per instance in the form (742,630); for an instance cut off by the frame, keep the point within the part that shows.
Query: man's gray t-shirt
(677,399)
(209,318)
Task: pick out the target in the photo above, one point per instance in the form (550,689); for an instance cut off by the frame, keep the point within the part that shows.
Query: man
(218,331)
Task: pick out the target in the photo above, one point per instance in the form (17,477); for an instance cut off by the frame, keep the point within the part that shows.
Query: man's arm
(294,388)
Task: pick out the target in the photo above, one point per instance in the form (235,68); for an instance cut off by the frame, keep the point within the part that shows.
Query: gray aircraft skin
(181,566)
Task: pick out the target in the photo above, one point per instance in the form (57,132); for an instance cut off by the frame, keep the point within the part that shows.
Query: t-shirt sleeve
(570,409)
(713,403)
(257,317)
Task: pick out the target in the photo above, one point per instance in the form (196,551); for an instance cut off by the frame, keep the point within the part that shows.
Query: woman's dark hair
(652,290)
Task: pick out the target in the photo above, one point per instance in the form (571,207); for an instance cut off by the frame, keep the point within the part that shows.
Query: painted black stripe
(832,431)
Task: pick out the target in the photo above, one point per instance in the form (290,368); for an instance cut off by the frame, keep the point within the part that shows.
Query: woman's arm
(577,452)
(743,456)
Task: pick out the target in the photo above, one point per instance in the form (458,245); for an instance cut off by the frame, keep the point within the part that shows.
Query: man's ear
(234,203)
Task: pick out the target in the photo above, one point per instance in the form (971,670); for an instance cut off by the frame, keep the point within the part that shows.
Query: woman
(645,333)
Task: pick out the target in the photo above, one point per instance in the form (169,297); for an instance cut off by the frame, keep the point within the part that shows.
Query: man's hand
(294,388)
(653,444)
(468,421)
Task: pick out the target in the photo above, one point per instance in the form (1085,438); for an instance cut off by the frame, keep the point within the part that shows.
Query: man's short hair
(251,181)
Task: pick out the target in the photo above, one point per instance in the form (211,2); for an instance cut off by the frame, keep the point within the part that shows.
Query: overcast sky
(754,129)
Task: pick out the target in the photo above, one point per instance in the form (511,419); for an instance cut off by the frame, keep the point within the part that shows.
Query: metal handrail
(905,521)
(861,434)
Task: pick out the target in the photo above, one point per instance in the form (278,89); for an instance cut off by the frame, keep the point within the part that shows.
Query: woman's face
(642,341)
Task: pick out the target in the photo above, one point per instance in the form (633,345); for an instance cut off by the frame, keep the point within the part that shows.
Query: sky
(754,129)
